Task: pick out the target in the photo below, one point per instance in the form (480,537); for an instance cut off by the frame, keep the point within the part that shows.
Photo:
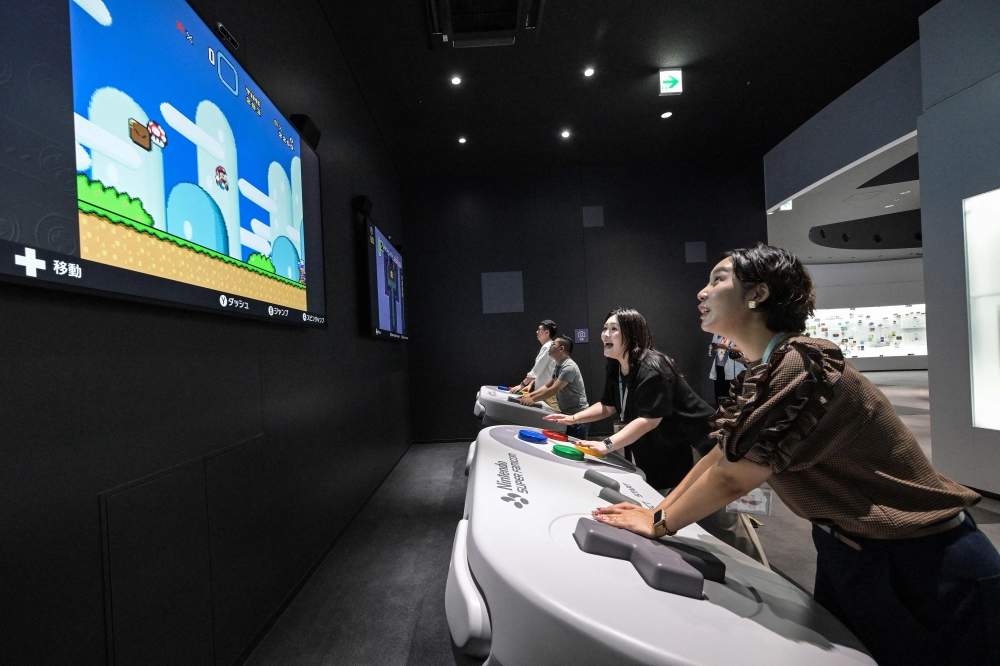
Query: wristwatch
(609,444)
(660,528)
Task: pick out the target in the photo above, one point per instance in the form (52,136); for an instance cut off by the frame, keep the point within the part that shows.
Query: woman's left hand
(628,517)
(526,400)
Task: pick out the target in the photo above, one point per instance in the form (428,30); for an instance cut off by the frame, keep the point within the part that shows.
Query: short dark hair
(792,298)
(566,342)
(551,327)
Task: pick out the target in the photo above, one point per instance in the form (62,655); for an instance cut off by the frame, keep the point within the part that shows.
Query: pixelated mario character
(302,272)
(156,134)
(221,179)
(139,134)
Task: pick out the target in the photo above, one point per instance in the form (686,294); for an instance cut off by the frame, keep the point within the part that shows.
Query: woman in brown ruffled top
(900,561)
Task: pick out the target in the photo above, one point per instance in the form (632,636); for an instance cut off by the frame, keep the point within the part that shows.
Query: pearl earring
(752,304)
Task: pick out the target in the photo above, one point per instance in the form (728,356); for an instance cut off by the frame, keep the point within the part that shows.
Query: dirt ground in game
(118,245)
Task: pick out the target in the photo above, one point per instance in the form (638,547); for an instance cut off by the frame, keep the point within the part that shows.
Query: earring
(752,304)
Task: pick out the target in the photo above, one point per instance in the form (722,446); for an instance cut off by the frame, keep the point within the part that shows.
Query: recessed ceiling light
(456,80)
(667,114)
(589,71)
(565,134)
(906,192)
(889,206)
(461,139)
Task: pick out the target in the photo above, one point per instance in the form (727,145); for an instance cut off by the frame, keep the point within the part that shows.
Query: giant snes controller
(535,581)
(495,406)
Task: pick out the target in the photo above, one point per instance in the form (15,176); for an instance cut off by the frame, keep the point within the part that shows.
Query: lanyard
(622,396)
(770,346)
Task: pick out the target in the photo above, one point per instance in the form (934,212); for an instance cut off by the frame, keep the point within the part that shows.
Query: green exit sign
(671,82)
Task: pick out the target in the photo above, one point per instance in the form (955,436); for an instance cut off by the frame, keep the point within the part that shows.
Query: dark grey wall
(532,222)
(880,109)
(959,158)
(290,429)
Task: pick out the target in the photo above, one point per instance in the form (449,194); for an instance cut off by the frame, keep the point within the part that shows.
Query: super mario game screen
(388,301)
(185,170)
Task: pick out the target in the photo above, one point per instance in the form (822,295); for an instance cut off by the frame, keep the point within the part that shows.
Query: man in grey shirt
(566,384)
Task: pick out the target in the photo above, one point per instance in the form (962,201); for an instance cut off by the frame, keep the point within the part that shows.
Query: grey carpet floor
(378,598)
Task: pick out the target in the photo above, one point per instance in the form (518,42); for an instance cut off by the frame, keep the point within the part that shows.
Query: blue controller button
(532,437)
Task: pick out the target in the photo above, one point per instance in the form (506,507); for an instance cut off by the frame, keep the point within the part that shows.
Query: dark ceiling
(753,72)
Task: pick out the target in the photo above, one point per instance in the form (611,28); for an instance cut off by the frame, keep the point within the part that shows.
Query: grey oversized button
(660,566)
(600,479)
(615,497)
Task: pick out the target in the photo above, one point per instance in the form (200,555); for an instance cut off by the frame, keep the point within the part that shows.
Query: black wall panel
(534,223)
(161,589)
(97,392)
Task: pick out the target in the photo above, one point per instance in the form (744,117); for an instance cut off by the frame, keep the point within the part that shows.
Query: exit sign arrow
(671,82)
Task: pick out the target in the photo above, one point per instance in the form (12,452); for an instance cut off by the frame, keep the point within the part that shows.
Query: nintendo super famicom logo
(510,477)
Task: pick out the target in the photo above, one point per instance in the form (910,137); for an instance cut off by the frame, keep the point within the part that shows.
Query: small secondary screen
(191,186)
(388,295)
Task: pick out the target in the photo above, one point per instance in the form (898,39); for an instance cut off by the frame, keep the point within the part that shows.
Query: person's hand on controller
(527,400)
(626,516)
(597,448)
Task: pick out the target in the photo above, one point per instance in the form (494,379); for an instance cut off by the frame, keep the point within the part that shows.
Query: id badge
(618,425)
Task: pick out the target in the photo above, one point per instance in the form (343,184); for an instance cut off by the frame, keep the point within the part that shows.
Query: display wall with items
(873,332)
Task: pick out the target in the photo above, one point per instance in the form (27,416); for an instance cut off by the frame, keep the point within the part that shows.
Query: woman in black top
(659,417)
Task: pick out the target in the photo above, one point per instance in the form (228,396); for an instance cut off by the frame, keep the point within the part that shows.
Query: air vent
(483,16)
(488,41)
(477,23)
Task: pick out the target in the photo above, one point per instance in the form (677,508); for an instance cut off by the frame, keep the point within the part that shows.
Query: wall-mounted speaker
(307,129)
(363,205)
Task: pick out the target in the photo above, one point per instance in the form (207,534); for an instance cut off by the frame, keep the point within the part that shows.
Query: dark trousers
(580,430)
(721,384)
(929,600)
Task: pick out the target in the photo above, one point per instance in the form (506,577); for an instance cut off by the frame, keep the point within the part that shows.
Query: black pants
(930,600)
(721,384)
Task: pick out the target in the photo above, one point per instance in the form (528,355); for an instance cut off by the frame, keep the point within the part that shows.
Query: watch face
(658,516)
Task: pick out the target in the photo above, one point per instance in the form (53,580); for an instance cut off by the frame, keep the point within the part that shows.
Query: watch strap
(660,528)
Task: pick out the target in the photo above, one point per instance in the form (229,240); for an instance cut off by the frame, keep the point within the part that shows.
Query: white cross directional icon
(31,263)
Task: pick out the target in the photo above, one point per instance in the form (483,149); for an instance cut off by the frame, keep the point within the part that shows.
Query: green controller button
(568,452)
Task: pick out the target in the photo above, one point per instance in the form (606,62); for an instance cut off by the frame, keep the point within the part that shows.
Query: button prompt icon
(31,263)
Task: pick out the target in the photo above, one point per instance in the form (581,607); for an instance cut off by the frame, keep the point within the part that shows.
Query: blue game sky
(143,54)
